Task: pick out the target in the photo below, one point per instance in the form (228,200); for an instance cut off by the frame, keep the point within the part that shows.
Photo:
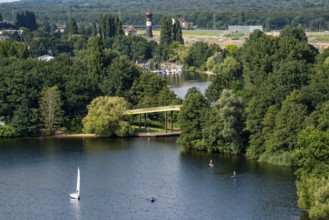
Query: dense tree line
(26,19)
(39,96)
(269,99)
(208,14)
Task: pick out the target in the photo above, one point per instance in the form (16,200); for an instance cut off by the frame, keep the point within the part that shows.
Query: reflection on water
(181,82)
(75,208)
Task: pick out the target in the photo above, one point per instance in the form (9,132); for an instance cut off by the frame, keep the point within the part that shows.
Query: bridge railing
(153,109)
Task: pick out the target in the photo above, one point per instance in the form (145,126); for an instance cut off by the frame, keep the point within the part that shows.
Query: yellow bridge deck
(154,109)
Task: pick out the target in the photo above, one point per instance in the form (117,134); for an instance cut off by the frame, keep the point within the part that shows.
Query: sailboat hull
(74,196)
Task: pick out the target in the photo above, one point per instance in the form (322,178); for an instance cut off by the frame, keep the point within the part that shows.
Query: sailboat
(76,195)
(211,164)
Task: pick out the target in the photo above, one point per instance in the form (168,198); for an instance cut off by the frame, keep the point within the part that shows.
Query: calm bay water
(119,176)
(180,83)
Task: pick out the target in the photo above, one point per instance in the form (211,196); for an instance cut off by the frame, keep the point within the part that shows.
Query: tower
(148,16)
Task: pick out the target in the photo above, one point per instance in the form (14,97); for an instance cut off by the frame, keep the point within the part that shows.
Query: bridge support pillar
(140,121)
(145,121)
(171,122)
(166,122)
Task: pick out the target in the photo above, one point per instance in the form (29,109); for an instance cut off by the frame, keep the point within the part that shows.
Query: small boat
(76,194)
(211,164)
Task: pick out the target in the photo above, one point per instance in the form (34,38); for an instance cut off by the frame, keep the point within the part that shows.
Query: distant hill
(217,14)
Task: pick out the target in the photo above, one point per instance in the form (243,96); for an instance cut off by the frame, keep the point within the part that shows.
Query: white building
(46,58)
(244,28)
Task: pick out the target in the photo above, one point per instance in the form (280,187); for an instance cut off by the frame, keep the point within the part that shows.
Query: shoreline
(136,134)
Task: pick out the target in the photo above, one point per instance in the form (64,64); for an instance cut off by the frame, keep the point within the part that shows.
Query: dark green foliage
(26,19)
(149,90)
(312,154)
(274,15)
(25,121)
(13,49)
(176,33)
(297,33)
(1,18)
(166,31)
(191,118)
(317,91)
(320,117)
(313,163)
(170,31)
(96,61)
(255,111)
(94,30)
(73,27)
(109,26)
(198,54)
(134,47)
(289,121)
(120,77)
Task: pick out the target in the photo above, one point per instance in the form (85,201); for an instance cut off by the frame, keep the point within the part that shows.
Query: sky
(3,1)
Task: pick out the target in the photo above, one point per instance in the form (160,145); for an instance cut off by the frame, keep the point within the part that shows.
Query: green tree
(26,19)
(73,27)
(176,32)
(312,182)
(109,26)
(51,109)
(1,18)
(229,107)
(13,49)
(165,31)
(96,59)
(199,53)
(191,118)
(94,30)
(296,33)
(255,111)
(7,131)
(24,121)
(120,77)
(320,117)
(106,117)
(146,89)
(289,121)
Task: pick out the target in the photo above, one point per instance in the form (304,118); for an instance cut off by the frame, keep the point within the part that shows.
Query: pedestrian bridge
(164,109)
(153,109)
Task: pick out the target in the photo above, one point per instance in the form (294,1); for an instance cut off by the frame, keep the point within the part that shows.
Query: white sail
(78,182)
(76,194)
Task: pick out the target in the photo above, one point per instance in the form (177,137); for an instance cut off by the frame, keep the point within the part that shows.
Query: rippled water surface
(119,176)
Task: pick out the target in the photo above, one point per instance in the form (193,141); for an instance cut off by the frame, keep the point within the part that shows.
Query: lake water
(180,83)
(119,176)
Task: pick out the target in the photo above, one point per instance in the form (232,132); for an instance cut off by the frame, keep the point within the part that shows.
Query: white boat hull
(74,196)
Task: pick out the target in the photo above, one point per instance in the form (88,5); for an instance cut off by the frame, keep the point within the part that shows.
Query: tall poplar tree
(73,27)
(51,111)
(96,59)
